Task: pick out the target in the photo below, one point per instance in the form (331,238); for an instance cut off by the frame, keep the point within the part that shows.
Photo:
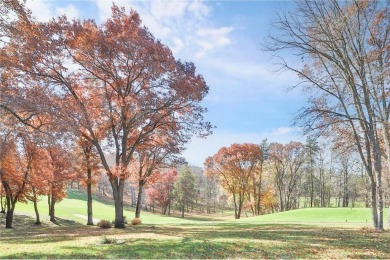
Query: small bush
(107,240)
(104,224)
(136,221)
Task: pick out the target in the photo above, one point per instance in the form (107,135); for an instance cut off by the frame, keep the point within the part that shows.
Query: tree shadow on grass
(209,241)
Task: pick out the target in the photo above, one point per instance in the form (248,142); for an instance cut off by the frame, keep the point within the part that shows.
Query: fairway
(304,233)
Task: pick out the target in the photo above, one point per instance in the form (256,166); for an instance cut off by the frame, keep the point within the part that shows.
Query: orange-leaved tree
(235,165)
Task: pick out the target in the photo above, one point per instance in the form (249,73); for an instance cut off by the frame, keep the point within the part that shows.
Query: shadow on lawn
(206,241)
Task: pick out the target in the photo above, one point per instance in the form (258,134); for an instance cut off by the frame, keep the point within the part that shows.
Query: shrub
(104,224)
(107,240)
(136,221)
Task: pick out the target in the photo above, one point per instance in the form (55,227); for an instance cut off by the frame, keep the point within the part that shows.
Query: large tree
(344,46)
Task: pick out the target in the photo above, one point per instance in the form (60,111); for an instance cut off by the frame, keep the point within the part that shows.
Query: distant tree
(59,171)
(312,150)
(88,168)
(184,189)
(285,165)
(160,193)
(236,167)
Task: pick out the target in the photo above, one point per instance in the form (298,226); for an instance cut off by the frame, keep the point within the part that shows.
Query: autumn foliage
(236,166)
(113,85)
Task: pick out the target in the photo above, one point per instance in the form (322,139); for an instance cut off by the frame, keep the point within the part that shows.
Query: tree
(285,165)
(13,174)
(87,163)
(235,165)
(161,150)
(160,193)
(344,49)
(312,150)
(58,166)
(121,84)
(184,189)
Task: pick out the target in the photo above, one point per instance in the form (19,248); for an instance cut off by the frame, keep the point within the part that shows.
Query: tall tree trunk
(139,200)
(35,199)
(117,190)
(89,194)
(182,210)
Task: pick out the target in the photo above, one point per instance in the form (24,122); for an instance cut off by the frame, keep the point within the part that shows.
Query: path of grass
(218,240)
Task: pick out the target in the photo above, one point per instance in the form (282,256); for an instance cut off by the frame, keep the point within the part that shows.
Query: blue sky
(247,101)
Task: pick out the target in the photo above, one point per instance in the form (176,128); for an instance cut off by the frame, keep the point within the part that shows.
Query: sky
(249,100)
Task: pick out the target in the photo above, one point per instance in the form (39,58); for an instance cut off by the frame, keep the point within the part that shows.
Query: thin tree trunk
(182,210)
(2,203)
(89,200)
(52,208)
(37,218)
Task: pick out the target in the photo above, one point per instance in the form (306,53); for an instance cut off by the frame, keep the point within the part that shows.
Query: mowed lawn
(305,233)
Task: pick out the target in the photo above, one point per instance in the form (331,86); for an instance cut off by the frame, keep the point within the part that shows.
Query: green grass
(305,233)
(218,240)
(358,217)
(76,204)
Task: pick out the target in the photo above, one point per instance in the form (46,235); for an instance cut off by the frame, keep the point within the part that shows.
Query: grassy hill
(74,208)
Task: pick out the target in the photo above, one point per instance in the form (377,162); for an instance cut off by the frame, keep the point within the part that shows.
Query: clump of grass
(104,224)
(108,241)
(136,221)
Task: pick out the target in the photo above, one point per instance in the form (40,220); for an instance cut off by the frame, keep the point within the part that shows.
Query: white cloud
(199,9)
(212,38)
(173,20)
(70,11)
(178,45)
(161,9)
(41,9)
(44,10)
(199,149)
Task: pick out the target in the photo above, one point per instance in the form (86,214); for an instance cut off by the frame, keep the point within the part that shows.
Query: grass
(75,206)
(305,233)
(218,240)
(341,217)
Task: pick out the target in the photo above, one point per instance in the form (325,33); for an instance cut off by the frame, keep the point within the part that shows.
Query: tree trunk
(49,202)
(182,210)
(10,212)
(139,200)
(52,209)
(373,204)
(37,218)
(117,190)
(89,194)
(2,204)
